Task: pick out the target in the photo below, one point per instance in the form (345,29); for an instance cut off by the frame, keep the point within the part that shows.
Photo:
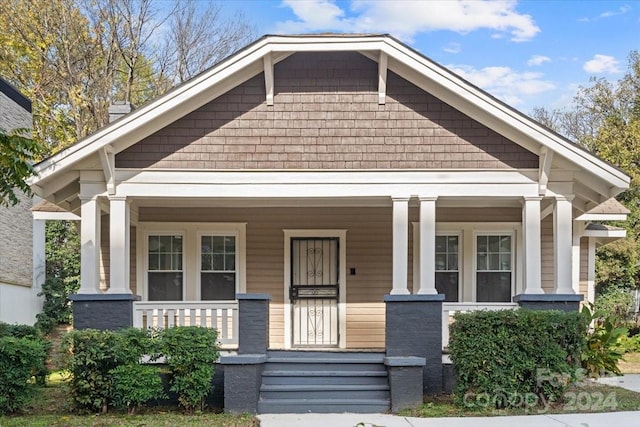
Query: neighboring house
(352,181)
(19,286)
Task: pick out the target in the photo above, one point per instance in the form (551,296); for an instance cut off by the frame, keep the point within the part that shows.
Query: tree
(16,155)
(62,252)
(73,57)
(605,118)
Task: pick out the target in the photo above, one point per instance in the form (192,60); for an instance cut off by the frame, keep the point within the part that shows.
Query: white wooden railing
(220,315)
(449,309)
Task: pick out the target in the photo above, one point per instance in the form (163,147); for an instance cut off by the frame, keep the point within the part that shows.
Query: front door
(315,273)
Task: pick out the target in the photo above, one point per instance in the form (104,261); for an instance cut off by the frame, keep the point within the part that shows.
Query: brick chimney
(118,109)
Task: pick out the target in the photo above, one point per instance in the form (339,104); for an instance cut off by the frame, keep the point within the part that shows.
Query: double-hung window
(448,266)
(494,267)
(165,267)
(218,274)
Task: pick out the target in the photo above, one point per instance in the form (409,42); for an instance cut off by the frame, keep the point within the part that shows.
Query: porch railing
(220,315)
(449,309)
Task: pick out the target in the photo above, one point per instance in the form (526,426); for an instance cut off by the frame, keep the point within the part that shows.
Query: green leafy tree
(62,273)
(605,118)
(16,156)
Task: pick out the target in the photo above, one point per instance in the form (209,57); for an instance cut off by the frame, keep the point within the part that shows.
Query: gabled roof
(401,59)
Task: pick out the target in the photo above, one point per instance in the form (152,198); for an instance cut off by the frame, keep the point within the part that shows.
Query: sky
(531,53)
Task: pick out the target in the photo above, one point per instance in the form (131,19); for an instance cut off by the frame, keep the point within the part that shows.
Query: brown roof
(46,206)
(611,206)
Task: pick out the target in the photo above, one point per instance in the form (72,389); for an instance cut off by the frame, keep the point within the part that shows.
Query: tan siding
(499,214)
(584,266)
(368,251)
(133,278)
(326,116)
(546,243)
(104,252)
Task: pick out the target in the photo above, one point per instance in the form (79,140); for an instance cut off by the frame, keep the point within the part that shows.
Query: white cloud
(621,11)
(601,64)
(607,14)
(505,83)
(536,60)
(406,18)
(452,48)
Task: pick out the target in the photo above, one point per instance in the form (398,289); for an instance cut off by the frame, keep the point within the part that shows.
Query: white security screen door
(314,291)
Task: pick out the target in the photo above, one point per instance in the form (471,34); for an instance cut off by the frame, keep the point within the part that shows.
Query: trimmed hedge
(503,357)
(20,358)
(106,366)
(40,372)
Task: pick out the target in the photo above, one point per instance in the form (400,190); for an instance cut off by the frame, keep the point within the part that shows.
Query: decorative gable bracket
(382,78)
(108,161)
(268,77)
(544,170)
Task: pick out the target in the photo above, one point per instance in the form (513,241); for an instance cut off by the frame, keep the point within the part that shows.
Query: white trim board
(342,289)
(402,60)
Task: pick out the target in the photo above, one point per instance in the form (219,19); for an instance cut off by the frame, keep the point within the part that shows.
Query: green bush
(25,331)
(190,353)
(19,359)
(507,356)
(134,385)
(62,275)
(616,304)
(602,352)
(91,355)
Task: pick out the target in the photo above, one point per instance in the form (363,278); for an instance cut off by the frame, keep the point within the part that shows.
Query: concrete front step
(324,391)
(324,382)
(323,406)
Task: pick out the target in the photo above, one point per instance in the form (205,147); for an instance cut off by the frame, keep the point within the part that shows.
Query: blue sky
(528,53)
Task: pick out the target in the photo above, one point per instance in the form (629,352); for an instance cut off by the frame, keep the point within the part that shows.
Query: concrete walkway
(607,419)
(628,381)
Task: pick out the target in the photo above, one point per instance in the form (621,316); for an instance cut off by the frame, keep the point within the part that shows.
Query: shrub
(19,358)
(62,275)
(134,385)
(190,353)
(602,352)
(509,355)
(617,305)
(25,331)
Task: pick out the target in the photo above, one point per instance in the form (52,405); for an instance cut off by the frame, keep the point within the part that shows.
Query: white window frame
(145,270)
(341,235)
(460,237)
(191,260)
(497,232)
(416,255)
(239,255)
(467,232)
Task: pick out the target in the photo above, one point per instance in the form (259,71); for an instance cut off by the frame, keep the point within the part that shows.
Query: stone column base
(242,380)
(562,302)
(103,311)
(405,381)
(253,323)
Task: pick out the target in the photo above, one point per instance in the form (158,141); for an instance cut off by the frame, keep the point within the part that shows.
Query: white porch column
(427,245)
(563,244)
(89,245)
(578,230)
(400,245)
(532,247)
(119,245)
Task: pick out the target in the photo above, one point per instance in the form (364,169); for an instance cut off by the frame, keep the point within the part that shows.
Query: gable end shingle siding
(326,116)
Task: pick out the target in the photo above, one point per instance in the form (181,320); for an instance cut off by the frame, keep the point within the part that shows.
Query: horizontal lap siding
(546,244)
(326,116)
(368,251)
(584,267)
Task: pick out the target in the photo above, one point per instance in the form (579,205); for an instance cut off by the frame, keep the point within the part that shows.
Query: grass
(630,364)
(50,409)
